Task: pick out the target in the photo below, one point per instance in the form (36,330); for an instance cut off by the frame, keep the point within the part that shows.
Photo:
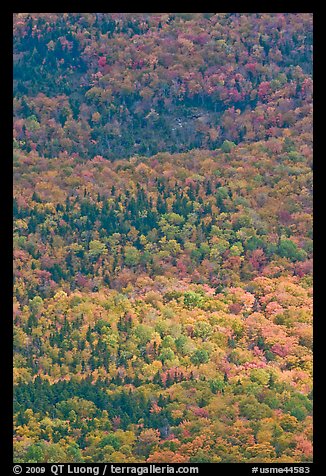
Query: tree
(97,249)
(132,256)
(200,356)
(227,146)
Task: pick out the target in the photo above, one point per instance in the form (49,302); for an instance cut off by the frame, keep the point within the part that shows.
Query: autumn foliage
(162,237)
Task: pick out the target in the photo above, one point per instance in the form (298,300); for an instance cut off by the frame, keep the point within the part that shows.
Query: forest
(163,244)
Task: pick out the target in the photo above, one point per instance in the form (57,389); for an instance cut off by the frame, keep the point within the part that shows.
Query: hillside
(163,237)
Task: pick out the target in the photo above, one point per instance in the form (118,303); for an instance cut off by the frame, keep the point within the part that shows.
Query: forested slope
(119,84)
(163,237)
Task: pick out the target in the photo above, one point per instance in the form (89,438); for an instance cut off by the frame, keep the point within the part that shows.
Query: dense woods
(162,237)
